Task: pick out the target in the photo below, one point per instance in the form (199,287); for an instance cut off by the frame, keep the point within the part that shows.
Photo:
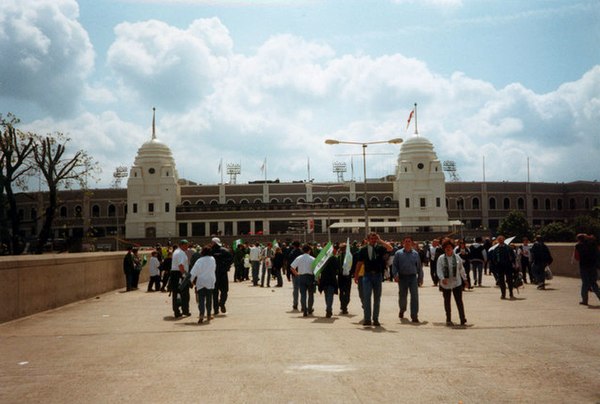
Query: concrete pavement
(126,347)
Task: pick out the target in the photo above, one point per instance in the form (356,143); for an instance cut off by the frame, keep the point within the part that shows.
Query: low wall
(33,283)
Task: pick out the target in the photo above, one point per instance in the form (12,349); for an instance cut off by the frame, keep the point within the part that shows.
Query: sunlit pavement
(126,347)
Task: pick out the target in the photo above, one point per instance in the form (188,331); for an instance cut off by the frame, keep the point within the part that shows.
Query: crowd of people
(454,266)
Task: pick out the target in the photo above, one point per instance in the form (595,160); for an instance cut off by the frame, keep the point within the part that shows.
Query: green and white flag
(275,244)
(319,262)
(237,243)
(347,259)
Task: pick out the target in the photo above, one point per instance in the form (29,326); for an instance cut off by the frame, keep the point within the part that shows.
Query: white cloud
(432,3)
(168,66)
(46,53)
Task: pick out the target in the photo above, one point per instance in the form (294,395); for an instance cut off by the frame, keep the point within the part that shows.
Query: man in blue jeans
(407,271)
(374,257)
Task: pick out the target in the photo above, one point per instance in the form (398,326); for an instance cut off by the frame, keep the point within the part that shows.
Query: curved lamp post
(364,149)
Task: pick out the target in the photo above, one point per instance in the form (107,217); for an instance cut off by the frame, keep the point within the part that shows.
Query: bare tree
(59,170)
(16,165)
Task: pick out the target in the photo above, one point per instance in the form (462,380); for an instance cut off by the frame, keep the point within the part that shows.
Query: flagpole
(416,127)
(265,169)
(483,168)
(221,169)
(308,167)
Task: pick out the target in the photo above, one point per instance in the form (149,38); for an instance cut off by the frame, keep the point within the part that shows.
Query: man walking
(223,260)
(373,256)
(179,270)
(255,262)
(301,267)
(408,272)
(540,258)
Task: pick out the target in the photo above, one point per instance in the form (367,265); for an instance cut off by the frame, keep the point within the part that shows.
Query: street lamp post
(364,154)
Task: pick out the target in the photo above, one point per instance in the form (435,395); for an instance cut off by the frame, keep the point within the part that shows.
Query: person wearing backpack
(452,276)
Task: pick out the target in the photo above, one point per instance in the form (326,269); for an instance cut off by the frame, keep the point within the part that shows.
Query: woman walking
(452,275)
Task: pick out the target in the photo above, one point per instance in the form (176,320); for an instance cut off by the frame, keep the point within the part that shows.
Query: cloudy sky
(249,80)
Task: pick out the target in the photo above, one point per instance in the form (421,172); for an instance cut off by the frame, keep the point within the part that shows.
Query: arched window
(274,200)
(374,199)
(214,202)
(287,200)
(492,203)
(77,211)
(475,203)
(387,199)
(547,204)
(95,211)
(536,204)
(331,200)
(317,200)
(112,211)
(186,203)
(572,204)
(244,202)
(559,204)
(460,204)
(360,201)
(257,201)
(587,203)
(506,204)
(199,202)
(343,199)
(230,202)
(63,211)
(33,214)
(520,203)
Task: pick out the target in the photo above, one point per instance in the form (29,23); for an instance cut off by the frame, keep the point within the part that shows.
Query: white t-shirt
(154,266)
(303,264)
(179,257)
(203,272)
(254,253)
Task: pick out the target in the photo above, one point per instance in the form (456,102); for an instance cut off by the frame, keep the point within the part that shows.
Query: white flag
(347,259)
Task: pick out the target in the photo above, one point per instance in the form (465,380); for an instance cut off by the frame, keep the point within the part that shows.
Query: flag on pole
(347,265)
(319,262)
(410,118)
(275,243)
(237,243)
(220,166)
(264,165)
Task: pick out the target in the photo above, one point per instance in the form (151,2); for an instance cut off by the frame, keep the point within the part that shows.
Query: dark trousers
(277,274)
(165,279)
(589,278)
(306,284)
(129,279)
(433,272)
(205,297)
(135,278)
(178,298)
(505,277)
(255,269)
(345,285)
(154,280)
(239,272)
(457,292)
(220,291)
(409,283)
(526,269)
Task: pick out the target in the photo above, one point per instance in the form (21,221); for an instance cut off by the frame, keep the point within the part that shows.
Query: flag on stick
(237,243)
(319,262)
(275,243)
(347,265)
(410,118)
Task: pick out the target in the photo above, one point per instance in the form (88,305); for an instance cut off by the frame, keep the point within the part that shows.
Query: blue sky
(247,80)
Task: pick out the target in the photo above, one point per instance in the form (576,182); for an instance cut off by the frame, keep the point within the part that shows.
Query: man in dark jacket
(223,259)
(328,281)
(586,253)
(129,268)
(540,259)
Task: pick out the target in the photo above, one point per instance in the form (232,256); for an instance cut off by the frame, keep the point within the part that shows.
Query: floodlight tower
(233,170)
(118,175)
(450,167)
(339,169)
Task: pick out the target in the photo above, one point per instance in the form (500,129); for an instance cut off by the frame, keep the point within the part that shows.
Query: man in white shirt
(302,268)
(255,262)
(179,270)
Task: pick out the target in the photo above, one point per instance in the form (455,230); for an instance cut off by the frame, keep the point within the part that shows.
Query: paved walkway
(125,347)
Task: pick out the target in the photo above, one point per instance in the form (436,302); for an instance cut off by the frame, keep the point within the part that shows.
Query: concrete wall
(33,283)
